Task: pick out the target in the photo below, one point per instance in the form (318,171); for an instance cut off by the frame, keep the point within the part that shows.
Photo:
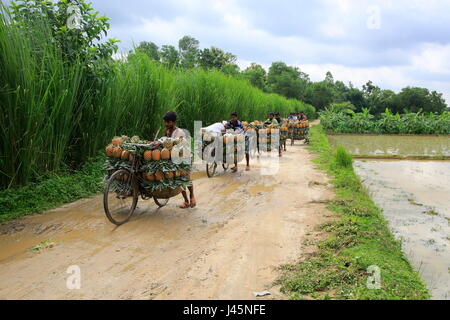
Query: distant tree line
(291,82)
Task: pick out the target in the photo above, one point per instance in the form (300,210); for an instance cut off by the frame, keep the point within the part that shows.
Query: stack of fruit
(233,146)
(284,131)
(266,138)
(298,130)
(165,165)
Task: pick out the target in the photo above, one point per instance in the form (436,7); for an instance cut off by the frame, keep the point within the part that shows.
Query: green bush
(342,158)
(387,123)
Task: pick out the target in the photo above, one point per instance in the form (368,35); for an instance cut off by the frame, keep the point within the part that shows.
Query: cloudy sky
(395,43)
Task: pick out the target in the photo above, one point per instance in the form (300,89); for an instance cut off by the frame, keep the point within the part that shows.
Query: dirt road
(245,226)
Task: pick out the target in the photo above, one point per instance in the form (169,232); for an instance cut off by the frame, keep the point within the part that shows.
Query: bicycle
(123,188)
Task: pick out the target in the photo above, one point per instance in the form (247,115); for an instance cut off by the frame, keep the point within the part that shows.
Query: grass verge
(52,191)
(358,237)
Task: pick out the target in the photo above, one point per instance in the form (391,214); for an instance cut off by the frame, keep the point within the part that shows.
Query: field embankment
(358,238)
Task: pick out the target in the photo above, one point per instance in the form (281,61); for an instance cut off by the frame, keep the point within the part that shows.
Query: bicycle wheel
(161,202)
(211,169)
(120,197)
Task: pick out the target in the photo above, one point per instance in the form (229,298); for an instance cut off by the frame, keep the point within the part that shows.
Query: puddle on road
(393,145)
(198,175)
(415,198)
(260,189)
(231,188)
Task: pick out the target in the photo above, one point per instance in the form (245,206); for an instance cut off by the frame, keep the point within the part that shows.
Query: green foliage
(256,75)
(335,121)
(320,94)
(358,237)
(74,43)
(287,81)
(170,56)
(38,108)
(215,58)
(149,48)
(189,52)
(231,70)
(343,159)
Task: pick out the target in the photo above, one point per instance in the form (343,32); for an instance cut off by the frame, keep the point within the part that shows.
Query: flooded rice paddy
(415,198)
(393,145)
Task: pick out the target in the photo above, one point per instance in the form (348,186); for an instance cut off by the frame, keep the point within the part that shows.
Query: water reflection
(415,198)
(395,145)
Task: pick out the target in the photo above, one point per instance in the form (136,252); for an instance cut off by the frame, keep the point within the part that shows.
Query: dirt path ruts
(244,227)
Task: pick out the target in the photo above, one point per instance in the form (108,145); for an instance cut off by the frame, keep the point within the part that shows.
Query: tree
(329,78)
(287,81)
(369,87)
(215,58)
(356,97)
(231,70)
(189,51)
(150,49)
(417,99)
(74,25)
(320,94)
(256,75)
(437,104)
(170,56)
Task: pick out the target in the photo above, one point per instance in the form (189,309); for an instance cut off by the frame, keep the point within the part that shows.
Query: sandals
(193,203)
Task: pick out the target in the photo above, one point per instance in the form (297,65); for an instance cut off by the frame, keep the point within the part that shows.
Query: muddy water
(415,197)
(394,145)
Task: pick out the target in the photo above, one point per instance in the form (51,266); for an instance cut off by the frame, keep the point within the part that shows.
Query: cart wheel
(225,166)
(120,197)
(161,202)
(211,169)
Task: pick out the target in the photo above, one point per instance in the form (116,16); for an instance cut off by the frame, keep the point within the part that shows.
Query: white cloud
(433,58)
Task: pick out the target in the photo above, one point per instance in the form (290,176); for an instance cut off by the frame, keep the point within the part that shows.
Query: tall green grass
(54,116)
(38,99)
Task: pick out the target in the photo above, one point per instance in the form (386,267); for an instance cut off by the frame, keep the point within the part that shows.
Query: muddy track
(245,226)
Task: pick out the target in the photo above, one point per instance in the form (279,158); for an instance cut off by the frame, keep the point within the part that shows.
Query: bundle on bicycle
(298,130)
(231,144)
(150,170)
(268,136)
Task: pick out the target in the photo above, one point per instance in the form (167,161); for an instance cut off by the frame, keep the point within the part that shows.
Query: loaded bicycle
(230,151)
(127,182)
